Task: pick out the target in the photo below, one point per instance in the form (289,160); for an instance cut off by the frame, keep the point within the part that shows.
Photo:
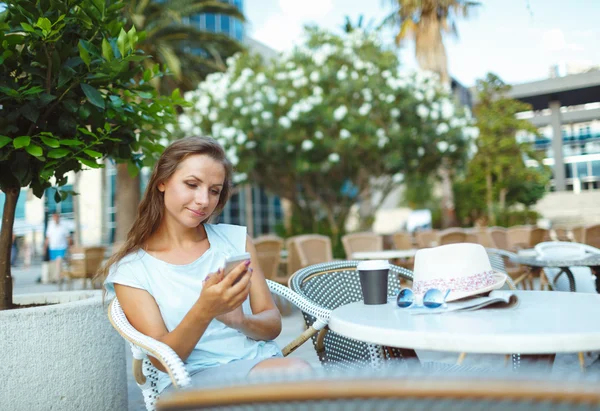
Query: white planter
(64,356)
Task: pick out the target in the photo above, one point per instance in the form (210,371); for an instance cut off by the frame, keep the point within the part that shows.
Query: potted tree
(72,92)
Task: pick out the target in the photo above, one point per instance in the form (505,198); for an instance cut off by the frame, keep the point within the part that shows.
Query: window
(211,22)
(20,210)
(63,207)
(596,168)
(226,25)
(582,169)
(568,170)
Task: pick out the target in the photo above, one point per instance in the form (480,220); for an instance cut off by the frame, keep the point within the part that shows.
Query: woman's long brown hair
(151,209)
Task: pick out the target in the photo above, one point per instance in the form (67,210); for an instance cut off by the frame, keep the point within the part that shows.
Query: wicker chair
(402,241)
(452,236)
(268,250)
(313,249)
(498,236)
(395,389)
(578,234)
(537,236)
(331,285)
(361,242)
(518,238)
(426,239)
(559,234)
(82,264)
(146,375)
(591,236)
(500,261)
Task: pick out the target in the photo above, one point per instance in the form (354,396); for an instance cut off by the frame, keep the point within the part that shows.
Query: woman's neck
(169,236)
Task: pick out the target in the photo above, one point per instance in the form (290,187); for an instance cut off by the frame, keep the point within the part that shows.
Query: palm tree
(188,53)
(427,20)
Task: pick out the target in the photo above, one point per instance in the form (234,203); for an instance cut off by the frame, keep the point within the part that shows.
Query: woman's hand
(220,296)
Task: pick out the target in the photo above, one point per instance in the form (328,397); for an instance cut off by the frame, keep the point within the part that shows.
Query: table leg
(570,276)
(519,359)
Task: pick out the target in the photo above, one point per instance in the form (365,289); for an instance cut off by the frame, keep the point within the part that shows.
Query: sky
(517,39)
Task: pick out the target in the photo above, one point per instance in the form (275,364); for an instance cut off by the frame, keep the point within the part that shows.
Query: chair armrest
(149,346)
(320,313)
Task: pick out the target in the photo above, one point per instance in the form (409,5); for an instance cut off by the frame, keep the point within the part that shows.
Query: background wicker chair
(313,249)
(331,285)
(402,241)
(268,251)
(537,236)
(83,263)
(591,235)
(425,239)
(361,242)
(498,236)
(146,375)
(500,261)
(452,236)
(560,233)
(396,389)
(577,233)
(518,238)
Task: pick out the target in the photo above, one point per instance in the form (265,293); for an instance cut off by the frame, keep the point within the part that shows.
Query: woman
(168,276)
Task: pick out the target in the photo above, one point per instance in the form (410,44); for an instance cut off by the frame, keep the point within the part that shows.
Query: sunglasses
(433,298)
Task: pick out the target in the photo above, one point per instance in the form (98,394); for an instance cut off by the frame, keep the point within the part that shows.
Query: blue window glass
(225,24)
(239,4)
(195,20)
(596,168)
(211,22)
(238,30)
(569,170)
(582,169)
(64,207)
(20,210)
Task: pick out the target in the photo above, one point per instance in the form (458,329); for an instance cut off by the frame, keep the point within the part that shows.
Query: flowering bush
(328,122)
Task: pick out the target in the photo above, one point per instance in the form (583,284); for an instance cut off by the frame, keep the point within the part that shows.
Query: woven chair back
(592,235)
(331,285)
(313,249)
(538,235)
(578,234)
(498,235)
(268,250)
(452,236)
(426,239)
(361,242)
(518,238)
(402,241)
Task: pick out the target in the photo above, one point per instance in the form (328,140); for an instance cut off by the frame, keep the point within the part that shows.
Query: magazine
(495,299)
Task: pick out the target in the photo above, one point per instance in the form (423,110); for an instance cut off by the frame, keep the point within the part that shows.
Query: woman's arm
(265,322)
(218,296)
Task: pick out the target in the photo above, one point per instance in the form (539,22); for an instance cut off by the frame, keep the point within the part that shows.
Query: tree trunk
(127,200)
(429,46)
(488,198)
(77,211)
(6,236)
(502,199)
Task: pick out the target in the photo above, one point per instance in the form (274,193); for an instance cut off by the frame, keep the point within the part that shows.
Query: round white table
(541,323)
(384,254)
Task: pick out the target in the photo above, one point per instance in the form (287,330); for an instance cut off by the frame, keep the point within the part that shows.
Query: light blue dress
(177,287)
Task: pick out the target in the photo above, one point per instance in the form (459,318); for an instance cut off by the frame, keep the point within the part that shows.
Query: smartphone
(234,261)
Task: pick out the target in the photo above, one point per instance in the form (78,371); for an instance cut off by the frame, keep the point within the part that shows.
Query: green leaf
(132,169)
(122,42)
(34,150)
(28,27)
(57,197)
(68,142)
(107,51)
(21,141)
(4,140)
(50,142)
(93,95)
(58,153)
(92,153)
(132,37)
(83,53)
(89,163)
(47,173)
(44,24)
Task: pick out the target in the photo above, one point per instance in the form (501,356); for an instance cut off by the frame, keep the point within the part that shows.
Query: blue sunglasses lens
(405,298)
(433,298)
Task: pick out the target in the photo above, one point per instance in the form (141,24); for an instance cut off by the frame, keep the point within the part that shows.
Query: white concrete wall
(571,209)
(65,356)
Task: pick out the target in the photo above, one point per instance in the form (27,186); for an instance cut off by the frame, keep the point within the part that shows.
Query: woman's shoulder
(229,234)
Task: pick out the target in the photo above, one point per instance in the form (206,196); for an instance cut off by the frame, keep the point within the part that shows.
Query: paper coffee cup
(373,276)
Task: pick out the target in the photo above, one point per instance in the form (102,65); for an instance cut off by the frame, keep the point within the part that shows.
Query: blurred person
(14,251)
(169,279)
(56,243)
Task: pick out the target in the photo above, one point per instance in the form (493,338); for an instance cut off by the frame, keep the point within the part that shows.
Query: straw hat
(463,268)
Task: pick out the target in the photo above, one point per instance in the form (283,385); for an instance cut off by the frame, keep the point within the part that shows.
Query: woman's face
(193,191)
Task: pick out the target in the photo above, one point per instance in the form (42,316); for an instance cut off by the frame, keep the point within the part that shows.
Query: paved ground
(293,325)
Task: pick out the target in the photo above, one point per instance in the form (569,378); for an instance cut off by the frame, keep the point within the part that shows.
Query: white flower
(289,148)
(395,112)
(397,178)
(364,109)
(292,114)
(260,78)
(244,111)
(430,94)
(344,134)
(442,146)
(420,151)
(380,133)
(442,128)
(354,75)
(447,109)
(185,122)
(257,106)
(386,73)
(307,145)
(213,116)
(314,77)
(239,177)
(228,132)
(251,144)
(282,101)
(238,102)
(317,91)
(254,121)
(266,115)
(452,148)
(390,98)
(340,113)
(419,96)
(285,122)
(434,115)
(318,135)
(281,76)
(216,129)
(341,75)
(290,65)
(422,111)
(334,157)
(241,138)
